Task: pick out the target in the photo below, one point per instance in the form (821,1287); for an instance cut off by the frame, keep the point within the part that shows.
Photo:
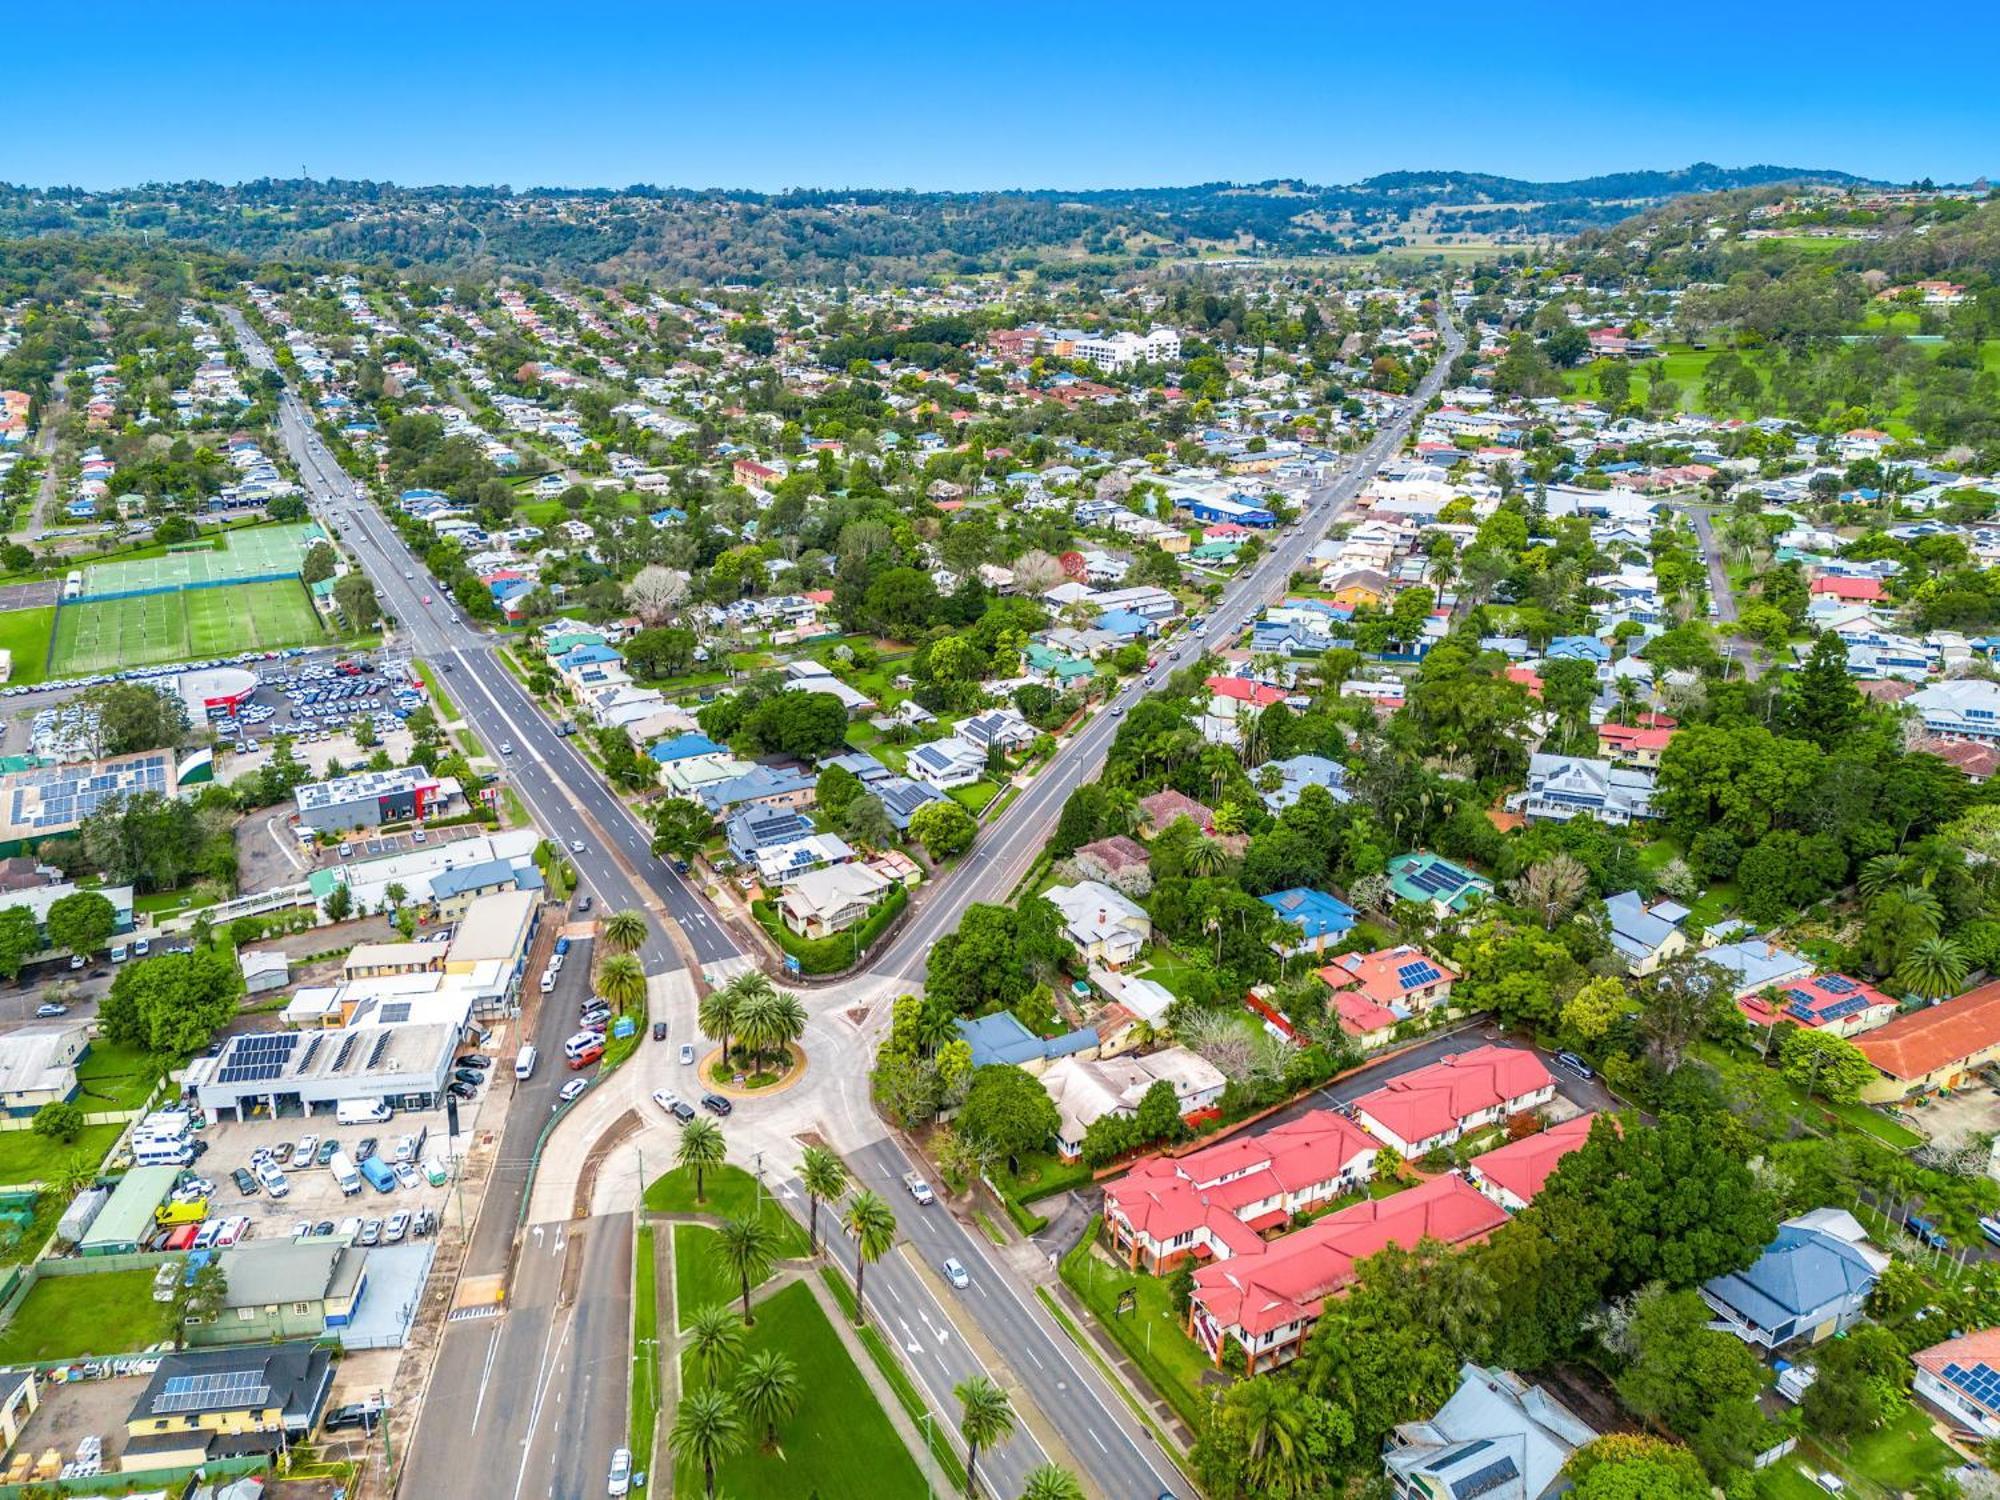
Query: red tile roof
(1162,808)
(1924,1041)
(1245,691)
(1521,1167)
(1628,737)
(1360,1016)
(1429,1101)
(1378,975)
(1287,1279)
(1857,589)
(1967,1350)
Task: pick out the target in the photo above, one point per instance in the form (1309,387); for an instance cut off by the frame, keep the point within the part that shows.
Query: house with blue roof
(755,829)
(763,786)
(1126,625)
(1578,648)
(1756,963)
(1001,1039)
(901,797)
(1810,1283)
(1321,919)
(1644,936)
(685,746)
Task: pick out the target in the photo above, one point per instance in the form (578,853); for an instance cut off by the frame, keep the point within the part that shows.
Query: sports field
(254,552)
(102,635)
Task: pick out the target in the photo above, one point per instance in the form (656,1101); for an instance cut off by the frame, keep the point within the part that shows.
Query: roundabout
(734,1083)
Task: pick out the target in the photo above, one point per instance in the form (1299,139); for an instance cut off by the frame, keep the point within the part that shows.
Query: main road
(566,795)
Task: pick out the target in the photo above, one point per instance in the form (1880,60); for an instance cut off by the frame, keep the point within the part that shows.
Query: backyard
(116,1076)
(1896,1459)
(28,1157)
(65,1317)
(840,1441)
(1853,1114)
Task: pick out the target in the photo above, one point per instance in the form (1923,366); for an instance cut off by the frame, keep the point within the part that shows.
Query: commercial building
(369,799)
(43,802)
(289,1074)
(442,877)
(298,1289)
(122,1225)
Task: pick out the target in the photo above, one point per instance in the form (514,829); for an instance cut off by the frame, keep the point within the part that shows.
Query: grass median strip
(645,1350)
(907,1394)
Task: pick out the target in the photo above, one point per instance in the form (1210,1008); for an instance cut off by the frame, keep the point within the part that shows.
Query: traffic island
(737,1083)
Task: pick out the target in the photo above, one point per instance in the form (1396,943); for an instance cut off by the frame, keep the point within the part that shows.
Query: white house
(1107,926)
(947,763)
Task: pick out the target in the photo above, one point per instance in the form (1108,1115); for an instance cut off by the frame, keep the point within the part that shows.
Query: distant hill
(679,234)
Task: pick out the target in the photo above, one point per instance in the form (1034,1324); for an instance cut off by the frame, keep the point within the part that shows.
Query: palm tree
(717,1017)
(787,1020)
(768,1388)
(624,931)
(756,1023)
(395,893)
(1880,873)
(623,981)
(707,1429)
(715,1338)
(701,1147)
(1205,857)
(823,1176)
(985,1419)
(1274,1426)
(748,1246)
(1933,968)
(1051,1483)
(72,1175)
(874,1229)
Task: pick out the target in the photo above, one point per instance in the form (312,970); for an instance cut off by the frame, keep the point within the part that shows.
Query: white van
(524,1063)
(344,1173)
(162,1153)
(548,981)
(362,1111)
(581,1043)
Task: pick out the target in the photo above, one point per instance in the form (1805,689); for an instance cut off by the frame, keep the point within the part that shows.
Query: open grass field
(105,634)
(25,633)
(115,1076)
(840,1442)
(701,1277)
(254,552)
(64,1317)
(27,1157)
(1151,1334)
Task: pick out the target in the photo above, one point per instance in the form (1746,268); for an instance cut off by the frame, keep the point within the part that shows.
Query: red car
(585,1058)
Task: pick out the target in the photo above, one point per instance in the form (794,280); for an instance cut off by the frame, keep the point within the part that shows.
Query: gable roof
(1523,1166)
(1924,1041)
(1431,1100)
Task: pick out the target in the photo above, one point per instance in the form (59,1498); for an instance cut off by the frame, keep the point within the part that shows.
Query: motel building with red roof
(1511,1175)
(1269,1299)
(1220,1202)
(1938,1047)
(1434,1106)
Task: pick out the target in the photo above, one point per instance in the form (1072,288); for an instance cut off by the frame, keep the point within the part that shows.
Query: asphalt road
(1746,654)
(532,1404)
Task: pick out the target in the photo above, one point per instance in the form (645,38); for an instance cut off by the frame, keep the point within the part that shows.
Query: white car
(621,1473)
(954,1272)
(687,1054)
(573,1090)
(407,1175)
(666,1099)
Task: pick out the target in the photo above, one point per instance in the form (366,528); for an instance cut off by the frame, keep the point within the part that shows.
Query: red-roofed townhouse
(1404,980)
(1832,1003)
(1243,690)
(1512,1174)
(1220,1202)
(1633,745)
(1268,1301)
(1849,590)
(1433,1106)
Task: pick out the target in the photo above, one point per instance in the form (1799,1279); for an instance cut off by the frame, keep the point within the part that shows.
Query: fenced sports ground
(104,635)
(190,604)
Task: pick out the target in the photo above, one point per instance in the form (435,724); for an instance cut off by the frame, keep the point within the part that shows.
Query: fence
(254,905)
(172,1480)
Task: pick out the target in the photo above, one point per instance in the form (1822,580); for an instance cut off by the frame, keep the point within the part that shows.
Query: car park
(397,1227)
(245,1183)
(371,1233)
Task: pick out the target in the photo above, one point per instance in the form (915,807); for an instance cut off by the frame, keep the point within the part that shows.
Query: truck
(344,1173)
(919,1189)
(378,1174)
(362,1112)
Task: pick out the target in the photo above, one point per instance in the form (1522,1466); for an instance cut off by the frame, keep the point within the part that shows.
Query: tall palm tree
(1274,1428)
(715,1338)
(1880,873)
(701,1147)
(823,1176)
(624,931)
(873,1226)
(747,1247)
(788,1020)
(1051,1483)
(717,1017)
(622,981)
(1205,857)
(1933,968)
(984,1419)
(756,1024)
(768,1390)
(707,1429)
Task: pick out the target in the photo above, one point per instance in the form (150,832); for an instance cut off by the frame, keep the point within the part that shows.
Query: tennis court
(103,635)
(256,552)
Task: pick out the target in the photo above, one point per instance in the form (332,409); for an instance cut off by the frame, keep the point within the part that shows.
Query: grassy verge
(831,955)
(441,703)
(730,1193)
(517,814)
(907,1394)
(1150,1335)
(701,1277)
(66,1317)
(839,1442)
(645,1350)
(114,1076)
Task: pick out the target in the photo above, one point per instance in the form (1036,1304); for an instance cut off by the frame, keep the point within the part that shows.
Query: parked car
(464,1093)
(479,1062)
(302,1153)
(371,1233)
(407,1175)
(364,1148)
(587,1056)
(1924,1230)
(621,1472)
(468,1076)
(51,1008)
(396,1228)
(1575,1065)
(245,1183)
(715,1104)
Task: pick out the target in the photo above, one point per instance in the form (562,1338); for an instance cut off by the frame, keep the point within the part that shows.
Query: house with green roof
(1445,885)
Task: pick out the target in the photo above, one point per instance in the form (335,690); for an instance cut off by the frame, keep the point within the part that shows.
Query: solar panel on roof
(236,1389)
(381,1046)
(1414,976)
(1484,1481)
(1836,984)
(346,1050)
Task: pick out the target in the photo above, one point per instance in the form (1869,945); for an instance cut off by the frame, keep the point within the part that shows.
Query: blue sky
(1005,93)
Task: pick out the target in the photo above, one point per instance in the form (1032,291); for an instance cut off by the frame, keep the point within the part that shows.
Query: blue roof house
(1320,919)
(1001,1038)
(1810,1283)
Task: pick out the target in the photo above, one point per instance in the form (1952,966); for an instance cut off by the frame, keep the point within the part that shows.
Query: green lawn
(975,797)
(1855,1115)
(115,1076)
(1151,1335)
(65,1317)
(700,1277)
(441,703)
(1898,1458)
(840,1441)
(732,1193)
(27,1157)
(1041,1173)
(1711,906)
(25,633)
(885,1359)
(645,1350)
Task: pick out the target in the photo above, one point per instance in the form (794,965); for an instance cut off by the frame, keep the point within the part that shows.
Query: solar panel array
(1484,1481)
(1417,975)
(312,1051)
(1980,1381)
(346,1051)
(1838,984)
(252,1059)
(381,1046)
(395,1012)
(234,1390)
(1802,1004)
(63,796)
(1437,879)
